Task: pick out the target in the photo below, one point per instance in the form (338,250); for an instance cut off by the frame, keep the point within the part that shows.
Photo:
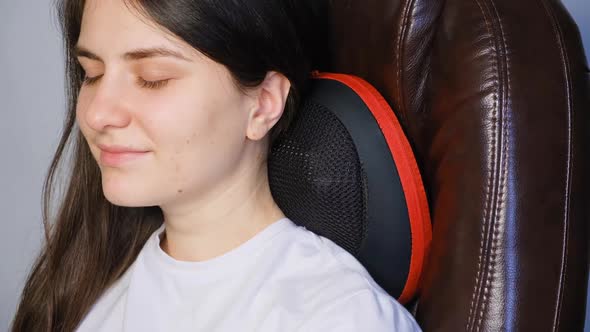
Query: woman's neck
(229,218)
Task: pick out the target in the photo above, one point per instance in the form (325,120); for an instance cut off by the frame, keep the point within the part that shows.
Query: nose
(105,106)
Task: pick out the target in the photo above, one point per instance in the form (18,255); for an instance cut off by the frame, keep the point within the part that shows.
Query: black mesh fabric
(316,177)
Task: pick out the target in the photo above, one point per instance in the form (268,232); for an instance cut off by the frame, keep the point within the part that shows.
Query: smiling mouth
(115,156)
(115,159)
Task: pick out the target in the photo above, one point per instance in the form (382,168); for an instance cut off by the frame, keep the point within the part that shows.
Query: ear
(270,98)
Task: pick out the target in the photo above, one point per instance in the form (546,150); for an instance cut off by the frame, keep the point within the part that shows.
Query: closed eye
(91,80)
(152,84)
(140,81)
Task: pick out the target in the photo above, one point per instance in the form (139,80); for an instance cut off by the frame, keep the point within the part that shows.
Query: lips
(115,156)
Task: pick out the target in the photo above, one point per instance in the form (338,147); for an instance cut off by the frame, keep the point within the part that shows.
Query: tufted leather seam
(489,194)
(567,75)
(399,47)
(504,157)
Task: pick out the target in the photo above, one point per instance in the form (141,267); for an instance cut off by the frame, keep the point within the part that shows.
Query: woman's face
(163,122)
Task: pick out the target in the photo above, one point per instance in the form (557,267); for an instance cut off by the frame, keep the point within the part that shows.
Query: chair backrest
(494,96)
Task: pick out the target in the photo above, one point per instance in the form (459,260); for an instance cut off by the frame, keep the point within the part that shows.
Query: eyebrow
(137,54)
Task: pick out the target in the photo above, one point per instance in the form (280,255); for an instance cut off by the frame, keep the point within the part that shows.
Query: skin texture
(204,140)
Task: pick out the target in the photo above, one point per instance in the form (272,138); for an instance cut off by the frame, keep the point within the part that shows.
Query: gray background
(32,106)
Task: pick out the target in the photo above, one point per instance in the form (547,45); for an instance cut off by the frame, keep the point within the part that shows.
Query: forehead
(114,26)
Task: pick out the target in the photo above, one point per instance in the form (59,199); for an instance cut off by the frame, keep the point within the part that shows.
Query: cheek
(197,140)
(82,103)
(188,120)
(172,122)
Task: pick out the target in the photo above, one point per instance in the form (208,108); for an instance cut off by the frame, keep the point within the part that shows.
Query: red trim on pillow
(420,225)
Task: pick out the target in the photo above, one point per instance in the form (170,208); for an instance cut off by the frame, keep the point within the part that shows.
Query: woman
(168,223)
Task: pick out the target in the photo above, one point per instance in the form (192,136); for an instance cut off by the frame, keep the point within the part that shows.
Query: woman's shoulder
(327,258)
(323,270)
(334,287)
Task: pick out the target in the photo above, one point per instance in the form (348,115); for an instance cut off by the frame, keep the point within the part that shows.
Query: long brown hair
(90,243)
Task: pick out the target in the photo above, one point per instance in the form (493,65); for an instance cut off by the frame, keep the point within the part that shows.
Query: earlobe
(270,102)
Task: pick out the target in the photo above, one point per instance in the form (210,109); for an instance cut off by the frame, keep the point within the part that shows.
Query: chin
(124,200)
(126,195)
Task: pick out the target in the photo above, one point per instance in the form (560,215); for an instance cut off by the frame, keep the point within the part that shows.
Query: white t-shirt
(285,278)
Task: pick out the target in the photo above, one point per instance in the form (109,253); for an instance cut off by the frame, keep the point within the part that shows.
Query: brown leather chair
(495,98)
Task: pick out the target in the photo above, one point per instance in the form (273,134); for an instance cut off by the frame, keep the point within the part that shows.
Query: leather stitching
(504,157)
(489,197)
(566,73)
(406,10)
